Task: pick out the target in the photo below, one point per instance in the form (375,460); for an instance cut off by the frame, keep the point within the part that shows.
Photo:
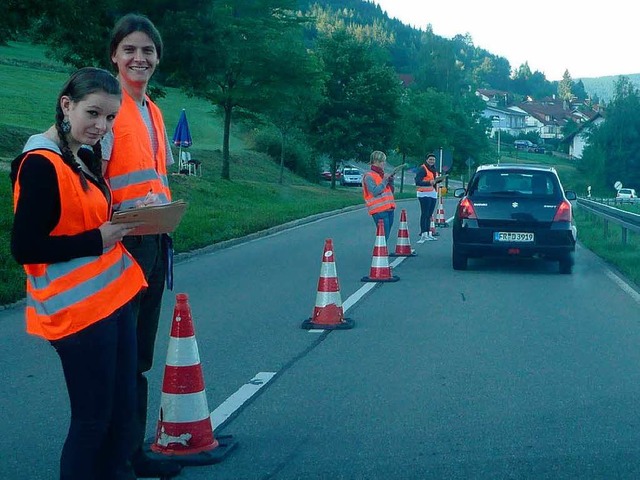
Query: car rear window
(514,183)
(351,171)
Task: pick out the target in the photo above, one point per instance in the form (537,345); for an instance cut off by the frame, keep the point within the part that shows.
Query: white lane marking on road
(237,399)
(623,285)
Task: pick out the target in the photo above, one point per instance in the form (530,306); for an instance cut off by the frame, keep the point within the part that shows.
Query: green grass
(625,258)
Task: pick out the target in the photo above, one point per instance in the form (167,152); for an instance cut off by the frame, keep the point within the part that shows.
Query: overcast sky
(590,39)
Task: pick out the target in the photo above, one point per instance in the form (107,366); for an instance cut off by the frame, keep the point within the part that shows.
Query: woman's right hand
(113,233)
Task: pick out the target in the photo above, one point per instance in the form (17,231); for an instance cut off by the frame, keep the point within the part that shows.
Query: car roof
(516,166)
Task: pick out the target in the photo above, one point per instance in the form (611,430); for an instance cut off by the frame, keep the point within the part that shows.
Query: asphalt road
(507,370)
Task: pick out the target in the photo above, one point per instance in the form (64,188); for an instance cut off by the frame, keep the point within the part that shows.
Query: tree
(361,99)
(297,101)
(617,140)
(239,60)
(565,87)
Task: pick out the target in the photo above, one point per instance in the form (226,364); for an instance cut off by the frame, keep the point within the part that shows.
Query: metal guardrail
(626,220)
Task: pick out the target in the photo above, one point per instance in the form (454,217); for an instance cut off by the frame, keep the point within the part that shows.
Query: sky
(589,39)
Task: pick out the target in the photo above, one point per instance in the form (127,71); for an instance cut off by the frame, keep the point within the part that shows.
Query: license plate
(513,237)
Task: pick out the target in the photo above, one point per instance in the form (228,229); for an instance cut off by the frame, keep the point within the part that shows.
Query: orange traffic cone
(441,221)
(432,228)
(380,269)
(184,430)
(328,313)
(403,246)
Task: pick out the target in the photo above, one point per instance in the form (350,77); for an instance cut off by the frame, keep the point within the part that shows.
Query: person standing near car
(80,278)
(135,162)
(377,190)
(426,183)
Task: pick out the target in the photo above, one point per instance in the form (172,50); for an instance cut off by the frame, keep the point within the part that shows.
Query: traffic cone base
(184,432)
(344,324)
(403,246)
(380,270)
(441,220)
(225,444)
(328,313)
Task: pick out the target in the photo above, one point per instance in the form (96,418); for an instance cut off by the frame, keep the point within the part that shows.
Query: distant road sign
(617,185)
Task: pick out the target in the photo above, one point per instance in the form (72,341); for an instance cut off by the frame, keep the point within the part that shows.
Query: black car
(514,210)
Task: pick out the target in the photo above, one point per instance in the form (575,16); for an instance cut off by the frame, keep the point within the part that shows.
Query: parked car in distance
(351,176)
(326,175)
(528,146)
(523,144)
(627,194)
(514,210)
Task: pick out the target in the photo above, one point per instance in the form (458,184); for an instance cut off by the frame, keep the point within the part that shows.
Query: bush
(298,156)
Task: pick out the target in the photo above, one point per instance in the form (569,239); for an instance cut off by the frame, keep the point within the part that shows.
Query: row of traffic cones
(328,313)
(184,430)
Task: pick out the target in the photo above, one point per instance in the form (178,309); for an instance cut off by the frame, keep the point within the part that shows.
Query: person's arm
(38,212)
(169,156)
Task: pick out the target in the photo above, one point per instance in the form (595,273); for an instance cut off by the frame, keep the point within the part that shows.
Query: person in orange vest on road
(80,278)
(377,190)
(426,183)
(136,157)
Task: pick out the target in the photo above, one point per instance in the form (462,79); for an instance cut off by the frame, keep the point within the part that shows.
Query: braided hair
(84,82)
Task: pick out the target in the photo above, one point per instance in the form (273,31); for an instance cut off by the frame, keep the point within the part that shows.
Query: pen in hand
(150,199)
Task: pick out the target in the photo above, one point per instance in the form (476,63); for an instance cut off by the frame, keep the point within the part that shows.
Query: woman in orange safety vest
(377,190)
(426,183)
(80,278)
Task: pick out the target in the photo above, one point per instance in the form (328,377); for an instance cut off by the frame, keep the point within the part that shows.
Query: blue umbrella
(182,136)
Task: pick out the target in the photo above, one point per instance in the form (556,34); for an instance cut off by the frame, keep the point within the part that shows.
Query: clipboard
(155,219)
(440,178)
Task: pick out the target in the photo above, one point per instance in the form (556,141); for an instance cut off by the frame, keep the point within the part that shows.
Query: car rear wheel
(458,260)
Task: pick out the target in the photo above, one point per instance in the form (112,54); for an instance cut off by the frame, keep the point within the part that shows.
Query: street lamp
(495,119)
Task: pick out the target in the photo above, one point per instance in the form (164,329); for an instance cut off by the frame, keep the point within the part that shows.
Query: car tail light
(465,209)
(563,213)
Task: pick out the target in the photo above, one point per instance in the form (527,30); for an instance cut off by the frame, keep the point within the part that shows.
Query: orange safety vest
(133,170)
(427,178)
(66,297)
(380,203)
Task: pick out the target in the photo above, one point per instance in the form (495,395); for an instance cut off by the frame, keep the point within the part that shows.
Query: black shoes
(146,467)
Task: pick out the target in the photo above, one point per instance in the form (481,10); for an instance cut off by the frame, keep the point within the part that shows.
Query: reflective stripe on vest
(382,202)
(428,176)
(66,297)
(51,305)
(134,170)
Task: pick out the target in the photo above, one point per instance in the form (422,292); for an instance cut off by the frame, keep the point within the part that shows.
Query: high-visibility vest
(66,297)
(383,201)
(429,176)
(133,170)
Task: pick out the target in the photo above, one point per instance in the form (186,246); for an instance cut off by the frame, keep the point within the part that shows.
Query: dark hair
(82,83)
(431,168)
(134,22)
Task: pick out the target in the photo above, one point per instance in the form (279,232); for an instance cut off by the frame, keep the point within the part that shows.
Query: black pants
(148,251)
(427,206)
(99,369)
